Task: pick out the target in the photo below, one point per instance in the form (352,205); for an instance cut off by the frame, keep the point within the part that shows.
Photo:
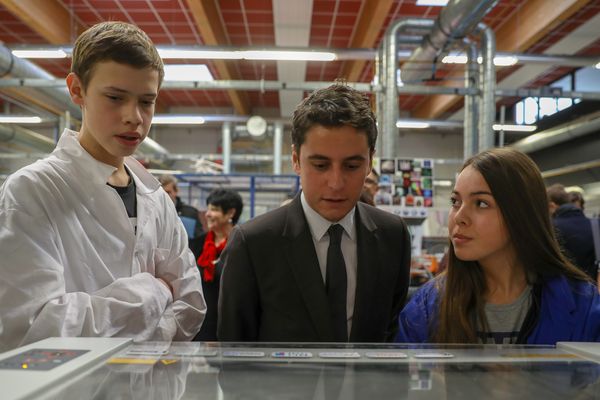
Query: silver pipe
(358,53)
(311,85)
(21,68)
(226,132)
(502,122)
(560,134)
(380,68)
(488,82)
(570,169)
(391,91)
(150,147)
(21,137)
(455,21)
(277,147)
(471,103)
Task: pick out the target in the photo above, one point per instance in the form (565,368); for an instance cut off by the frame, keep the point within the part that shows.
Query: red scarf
(209,256)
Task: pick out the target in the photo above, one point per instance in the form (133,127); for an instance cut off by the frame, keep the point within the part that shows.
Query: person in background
(190,216)
(372,183)
(91,246)
(324,268)
(576,198)
(507,280)
(573,230)
(224,210)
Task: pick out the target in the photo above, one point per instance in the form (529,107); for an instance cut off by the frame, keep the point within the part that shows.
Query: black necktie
(335,283)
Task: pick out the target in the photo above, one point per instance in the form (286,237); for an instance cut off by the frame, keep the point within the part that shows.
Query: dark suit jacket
(574,233)
(272,289)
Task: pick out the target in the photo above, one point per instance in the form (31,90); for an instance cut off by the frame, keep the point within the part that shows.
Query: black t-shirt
(127,194)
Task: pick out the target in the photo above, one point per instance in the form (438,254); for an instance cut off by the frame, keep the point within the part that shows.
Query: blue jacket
(569,312)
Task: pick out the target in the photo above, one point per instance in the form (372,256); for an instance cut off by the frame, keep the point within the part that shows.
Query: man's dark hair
(226,200)
(334,106)
(557,194)
(575,197)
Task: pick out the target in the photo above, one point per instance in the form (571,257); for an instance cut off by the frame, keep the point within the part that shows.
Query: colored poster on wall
(404,182)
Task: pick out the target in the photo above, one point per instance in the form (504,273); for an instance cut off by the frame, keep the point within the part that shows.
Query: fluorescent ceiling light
(432,2)
(514,128)
(177,120)
(187,72)
(57,53)
(500,61)
(450,59)
(199,54)
(277,55)
(412,124)
(14,119)
(288,55)
(505,61)
(442,182)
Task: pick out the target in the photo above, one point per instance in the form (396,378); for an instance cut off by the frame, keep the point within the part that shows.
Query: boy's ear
(75,88)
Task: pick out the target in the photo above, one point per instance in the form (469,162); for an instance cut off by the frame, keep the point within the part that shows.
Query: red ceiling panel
(250,22)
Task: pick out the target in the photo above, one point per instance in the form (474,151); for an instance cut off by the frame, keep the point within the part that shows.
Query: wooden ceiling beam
(208,22)
(370,22)
(47,18)
(534,20)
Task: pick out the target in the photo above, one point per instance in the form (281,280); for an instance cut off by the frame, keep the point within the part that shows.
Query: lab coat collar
(98,172)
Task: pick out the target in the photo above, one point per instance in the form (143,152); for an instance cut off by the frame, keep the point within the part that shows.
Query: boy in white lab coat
(90,244)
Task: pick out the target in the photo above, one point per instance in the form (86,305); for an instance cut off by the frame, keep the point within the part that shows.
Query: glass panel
(326,371)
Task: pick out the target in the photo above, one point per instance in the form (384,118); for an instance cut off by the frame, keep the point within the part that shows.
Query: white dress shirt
(72,264)
(318,229)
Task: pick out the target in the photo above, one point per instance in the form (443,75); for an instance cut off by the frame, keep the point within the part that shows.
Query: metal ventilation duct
(560,134)
(19,68)
(457,19)
(21,137)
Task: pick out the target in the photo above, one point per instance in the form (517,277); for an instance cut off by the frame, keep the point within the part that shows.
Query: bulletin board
(404,182)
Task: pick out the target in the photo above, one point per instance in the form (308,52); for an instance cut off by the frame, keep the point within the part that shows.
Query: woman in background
(506,281)
(223,212)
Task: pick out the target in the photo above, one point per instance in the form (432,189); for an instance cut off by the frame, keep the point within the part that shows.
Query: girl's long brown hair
(518,189)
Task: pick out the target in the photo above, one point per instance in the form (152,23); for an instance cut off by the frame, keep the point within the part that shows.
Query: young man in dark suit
(322,268)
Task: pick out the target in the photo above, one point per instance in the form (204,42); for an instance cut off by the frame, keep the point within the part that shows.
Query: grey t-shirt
(505,320)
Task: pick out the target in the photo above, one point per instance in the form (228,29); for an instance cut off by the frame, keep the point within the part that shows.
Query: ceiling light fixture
(168,119)
(55,53)
(499,61)
(187,72)
(514,128)
(412,124)
(504,61)
(275,55)
(454,59)
(191,54)
(279,55)
(17,119)
(432,2)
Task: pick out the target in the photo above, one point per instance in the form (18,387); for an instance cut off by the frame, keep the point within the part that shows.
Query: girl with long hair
(506,281)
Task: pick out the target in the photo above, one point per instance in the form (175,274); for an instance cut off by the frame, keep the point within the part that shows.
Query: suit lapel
(303,261)
(367,275)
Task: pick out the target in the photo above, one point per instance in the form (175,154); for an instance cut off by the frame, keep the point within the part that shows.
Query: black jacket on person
(189,217)
(208,332)
(272,289)
(574,233)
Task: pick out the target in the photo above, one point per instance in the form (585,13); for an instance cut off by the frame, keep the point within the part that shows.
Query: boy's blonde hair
(114,41)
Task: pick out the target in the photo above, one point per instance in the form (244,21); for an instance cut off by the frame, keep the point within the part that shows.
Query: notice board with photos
(404,182)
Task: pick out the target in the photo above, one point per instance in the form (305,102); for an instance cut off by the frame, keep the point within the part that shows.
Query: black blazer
(272,289)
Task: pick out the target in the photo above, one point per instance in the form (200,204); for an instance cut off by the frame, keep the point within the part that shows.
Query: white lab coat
(72,265)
